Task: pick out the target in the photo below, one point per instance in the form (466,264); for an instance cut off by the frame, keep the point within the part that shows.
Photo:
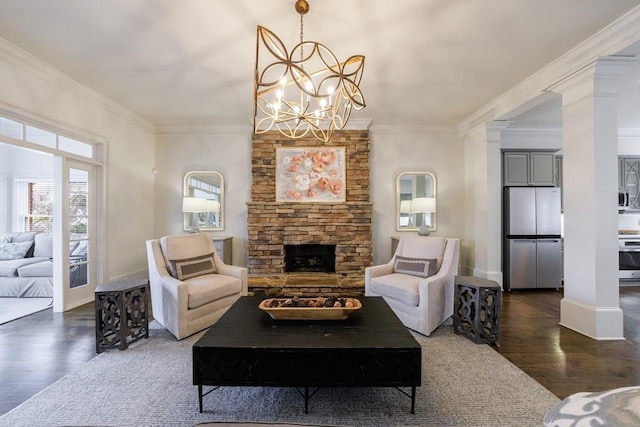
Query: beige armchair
(191,287)
(418,281)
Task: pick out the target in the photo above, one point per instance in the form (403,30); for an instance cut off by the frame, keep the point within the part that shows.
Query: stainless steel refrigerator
(533,245)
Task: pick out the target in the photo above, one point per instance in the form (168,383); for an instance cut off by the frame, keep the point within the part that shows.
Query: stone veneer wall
(347,225)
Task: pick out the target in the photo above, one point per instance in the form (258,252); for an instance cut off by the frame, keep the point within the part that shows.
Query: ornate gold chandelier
(306,89)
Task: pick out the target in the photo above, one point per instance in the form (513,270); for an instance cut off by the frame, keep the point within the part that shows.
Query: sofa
(26,264)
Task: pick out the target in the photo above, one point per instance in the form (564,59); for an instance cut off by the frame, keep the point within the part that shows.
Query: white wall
(30,87)
(401,149)
(204,150)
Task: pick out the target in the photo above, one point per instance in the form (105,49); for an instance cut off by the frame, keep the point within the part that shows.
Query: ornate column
(590,152)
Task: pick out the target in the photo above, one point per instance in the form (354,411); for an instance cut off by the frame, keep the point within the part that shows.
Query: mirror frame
(433,192)
(187,193)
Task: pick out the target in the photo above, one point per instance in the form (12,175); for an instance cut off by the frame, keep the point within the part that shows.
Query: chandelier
(306,89)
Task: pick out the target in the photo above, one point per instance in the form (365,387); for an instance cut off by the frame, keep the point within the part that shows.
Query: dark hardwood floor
(37,350)
(560,359)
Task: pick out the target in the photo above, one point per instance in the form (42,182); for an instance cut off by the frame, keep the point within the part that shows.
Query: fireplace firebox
(310,258)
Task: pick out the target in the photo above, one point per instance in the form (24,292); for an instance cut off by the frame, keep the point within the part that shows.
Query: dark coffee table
(371,348)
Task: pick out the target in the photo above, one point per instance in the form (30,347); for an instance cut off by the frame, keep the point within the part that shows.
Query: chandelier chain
(301,37)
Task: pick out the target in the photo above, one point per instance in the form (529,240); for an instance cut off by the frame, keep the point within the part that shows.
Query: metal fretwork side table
(122,313)
(476,313)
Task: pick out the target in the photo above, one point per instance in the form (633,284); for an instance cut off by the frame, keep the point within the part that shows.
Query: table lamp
(425,206)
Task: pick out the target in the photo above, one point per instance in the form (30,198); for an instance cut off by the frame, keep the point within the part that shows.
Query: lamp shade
(405,206)
(212,206)
(423,204)
(193,204)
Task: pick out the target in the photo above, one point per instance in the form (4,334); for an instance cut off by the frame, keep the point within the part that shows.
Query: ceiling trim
(608,41)
(201,129)
(13,54)
(403,129)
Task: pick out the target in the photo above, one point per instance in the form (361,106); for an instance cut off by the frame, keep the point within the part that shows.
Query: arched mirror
(416,201)
(203,201)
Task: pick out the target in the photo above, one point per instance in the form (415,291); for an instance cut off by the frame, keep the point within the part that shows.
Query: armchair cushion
(211,287)
(183,269)
(401,287)
(420,267)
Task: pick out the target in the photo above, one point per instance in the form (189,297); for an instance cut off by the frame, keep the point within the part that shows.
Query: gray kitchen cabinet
(528,168)
(631,180)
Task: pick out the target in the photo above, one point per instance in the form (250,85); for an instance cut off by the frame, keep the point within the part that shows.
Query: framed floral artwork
(310,174)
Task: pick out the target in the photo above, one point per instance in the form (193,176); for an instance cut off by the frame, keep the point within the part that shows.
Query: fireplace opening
(310,258)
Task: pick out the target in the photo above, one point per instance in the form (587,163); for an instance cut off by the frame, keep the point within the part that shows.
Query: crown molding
(535,131)
(41,69)
(168,129)
(556,131)
(401,129)
(357,124)
(608,41)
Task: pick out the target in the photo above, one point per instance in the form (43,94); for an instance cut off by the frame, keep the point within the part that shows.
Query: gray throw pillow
(183,269)
(421,267)
(14,250)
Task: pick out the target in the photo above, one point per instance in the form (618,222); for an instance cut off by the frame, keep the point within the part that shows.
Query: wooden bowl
(309,313)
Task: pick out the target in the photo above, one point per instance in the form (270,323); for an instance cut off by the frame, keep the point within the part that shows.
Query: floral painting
(310,174)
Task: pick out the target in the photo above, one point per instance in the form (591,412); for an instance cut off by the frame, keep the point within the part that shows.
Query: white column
(484,143)
(590,153)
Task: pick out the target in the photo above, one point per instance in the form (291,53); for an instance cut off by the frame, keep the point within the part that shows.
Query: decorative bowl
(309,312)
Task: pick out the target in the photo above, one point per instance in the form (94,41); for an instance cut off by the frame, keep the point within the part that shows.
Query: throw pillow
(183,269)
(421,267)
(5,238)
(14,250)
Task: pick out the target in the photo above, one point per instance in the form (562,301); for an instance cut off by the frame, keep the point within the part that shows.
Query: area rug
(15,308)
(150,384)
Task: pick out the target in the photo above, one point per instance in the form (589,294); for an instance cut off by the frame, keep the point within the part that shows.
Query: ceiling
(427,61)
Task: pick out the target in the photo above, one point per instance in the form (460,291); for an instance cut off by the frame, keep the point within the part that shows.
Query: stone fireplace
(345,225)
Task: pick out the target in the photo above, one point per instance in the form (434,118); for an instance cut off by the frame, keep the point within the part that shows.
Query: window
(45,138)
(40,214)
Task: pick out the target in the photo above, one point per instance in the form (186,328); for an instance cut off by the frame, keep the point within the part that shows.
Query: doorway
(50,192)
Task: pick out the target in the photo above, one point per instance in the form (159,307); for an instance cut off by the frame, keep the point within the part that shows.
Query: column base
(599,323)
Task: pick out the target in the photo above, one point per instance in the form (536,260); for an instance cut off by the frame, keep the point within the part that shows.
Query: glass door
(76,258)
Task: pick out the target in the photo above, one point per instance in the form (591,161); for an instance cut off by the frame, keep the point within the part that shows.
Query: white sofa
(26,264)
(29,275)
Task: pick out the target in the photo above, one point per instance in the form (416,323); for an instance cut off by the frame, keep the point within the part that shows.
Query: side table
(224,247)
(122,313)
(476,312)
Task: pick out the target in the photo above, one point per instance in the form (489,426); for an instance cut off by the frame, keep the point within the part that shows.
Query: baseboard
(599,323)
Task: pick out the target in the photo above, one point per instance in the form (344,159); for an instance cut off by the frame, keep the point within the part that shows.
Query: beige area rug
(151,384)
(15,308)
